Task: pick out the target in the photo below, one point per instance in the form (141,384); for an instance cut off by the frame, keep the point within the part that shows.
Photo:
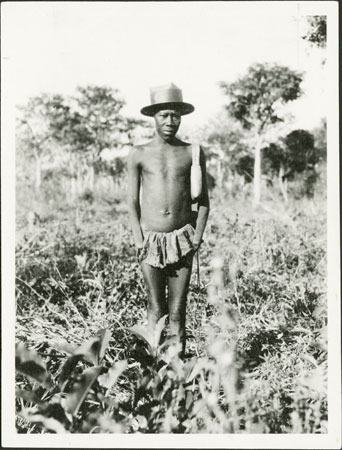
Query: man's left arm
(203,205)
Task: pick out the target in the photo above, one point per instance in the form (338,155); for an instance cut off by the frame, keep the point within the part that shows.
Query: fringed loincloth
(161,249)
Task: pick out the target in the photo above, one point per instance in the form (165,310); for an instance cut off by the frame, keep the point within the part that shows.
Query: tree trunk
(257,174)
(91,178)
(219,174)
(38,180)
(73,187)
(283,184)
(77,217)
(111,185)
(79,184)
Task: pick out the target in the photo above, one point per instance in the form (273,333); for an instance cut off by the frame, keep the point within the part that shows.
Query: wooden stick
(198,270)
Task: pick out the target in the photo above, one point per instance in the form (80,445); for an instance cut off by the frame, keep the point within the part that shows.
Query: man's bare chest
(167,164)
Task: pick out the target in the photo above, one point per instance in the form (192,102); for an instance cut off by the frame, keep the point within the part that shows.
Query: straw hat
(168,96)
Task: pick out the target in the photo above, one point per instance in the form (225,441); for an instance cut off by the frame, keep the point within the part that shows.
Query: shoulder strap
(195,154)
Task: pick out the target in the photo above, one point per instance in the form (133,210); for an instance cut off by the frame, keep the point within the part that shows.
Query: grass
(256,327)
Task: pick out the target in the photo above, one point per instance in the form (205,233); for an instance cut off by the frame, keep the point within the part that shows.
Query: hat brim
(182,107)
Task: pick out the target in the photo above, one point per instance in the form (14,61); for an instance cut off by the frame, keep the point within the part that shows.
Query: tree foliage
(317,31)
(75,129)
(41,123)
(224,144)
(294,153)
(294,157)
(320,135)
(255,99)
(97,119)
(87,122)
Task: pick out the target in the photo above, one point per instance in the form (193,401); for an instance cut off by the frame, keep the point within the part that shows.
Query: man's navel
(166,212)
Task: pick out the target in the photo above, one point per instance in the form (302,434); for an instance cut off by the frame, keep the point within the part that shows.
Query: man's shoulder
(139,148)
(190,145)
(139,152)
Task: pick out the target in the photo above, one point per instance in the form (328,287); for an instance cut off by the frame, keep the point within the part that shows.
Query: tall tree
(256,100)
(100,124)
(39,125)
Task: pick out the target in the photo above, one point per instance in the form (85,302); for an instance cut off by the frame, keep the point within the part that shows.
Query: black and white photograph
(170,224)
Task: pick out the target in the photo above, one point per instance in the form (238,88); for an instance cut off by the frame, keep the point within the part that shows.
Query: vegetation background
(256,320)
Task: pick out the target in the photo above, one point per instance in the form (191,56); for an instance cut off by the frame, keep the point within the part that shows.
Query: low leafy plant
(57,403)
(256,328)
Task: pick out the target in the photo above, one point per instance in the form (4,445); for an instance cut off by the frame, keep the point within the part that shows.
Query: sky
(56,46)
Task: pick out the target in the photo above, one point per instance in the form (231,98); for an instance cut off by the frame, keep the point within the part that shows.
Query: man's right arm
(133,196)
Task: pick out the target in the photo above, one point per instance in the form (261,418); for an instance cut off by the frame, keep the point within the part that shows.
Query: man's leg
(178,282)
(155,283)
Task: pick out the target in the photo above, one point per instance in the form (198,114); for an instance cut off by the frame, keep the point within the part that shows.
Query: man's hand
(196,245)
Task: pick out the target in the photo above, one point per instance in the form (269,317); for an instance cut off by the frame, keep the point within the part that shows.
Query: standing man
(160,212)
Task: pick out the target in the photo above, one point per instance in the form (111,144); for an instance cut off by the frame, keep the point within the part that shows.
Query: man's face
(167,123)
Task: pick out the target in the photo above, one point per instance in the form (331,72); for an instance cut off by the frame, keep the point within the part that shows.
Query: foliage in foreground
(256,360)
